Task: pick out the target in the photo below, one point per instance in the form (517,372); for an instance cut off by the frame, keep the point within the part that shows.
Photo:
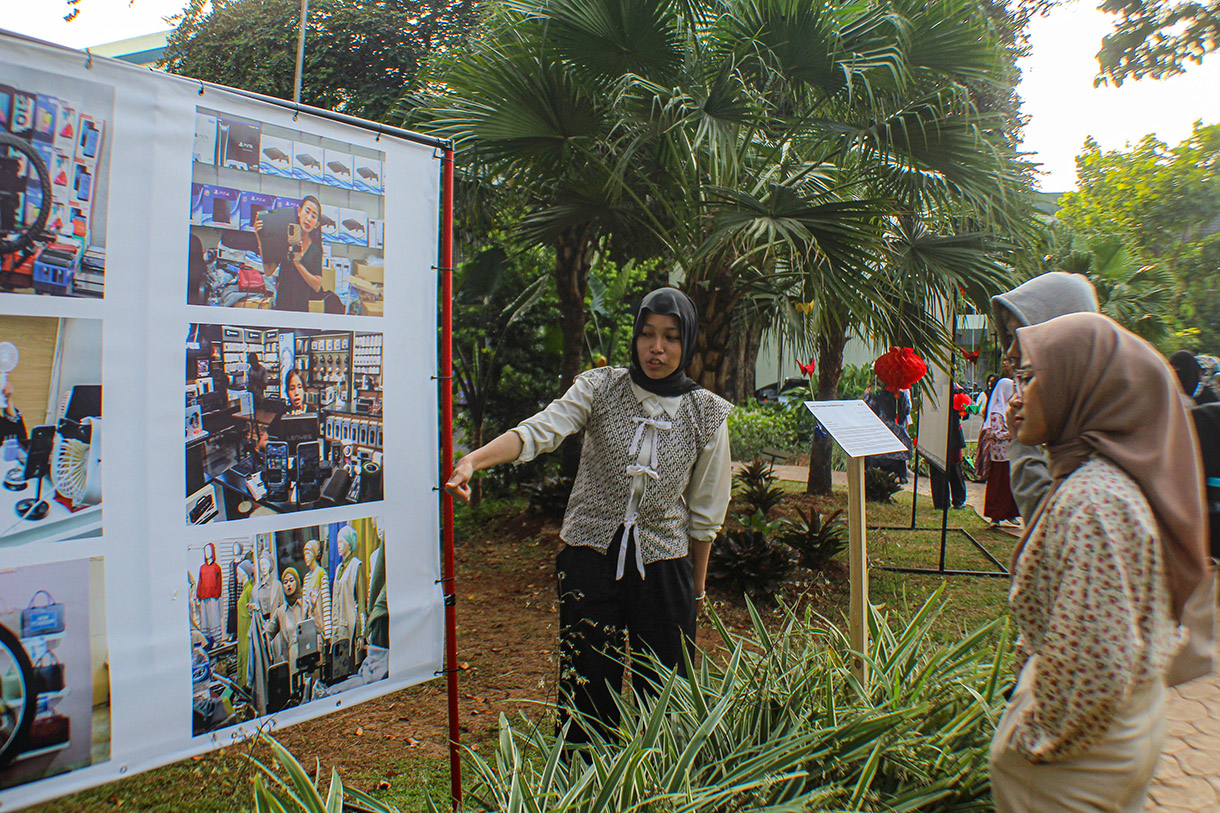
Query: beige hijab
(1104,390)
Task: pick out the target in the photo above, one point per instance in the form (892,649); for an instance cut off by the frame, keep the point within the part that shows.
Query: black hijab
(667,301)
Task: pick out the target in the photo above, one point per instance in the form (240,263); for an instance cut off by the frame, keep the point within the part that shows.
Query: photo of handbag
(48,730)
(48,674)
(42,619)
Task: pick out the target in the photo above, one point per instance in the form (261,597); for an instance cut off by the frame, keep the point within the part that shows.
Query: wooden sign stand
(859,433)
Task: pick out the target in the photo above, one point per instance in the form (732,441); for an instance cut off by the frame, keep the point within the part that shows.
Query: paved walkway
(1188,776)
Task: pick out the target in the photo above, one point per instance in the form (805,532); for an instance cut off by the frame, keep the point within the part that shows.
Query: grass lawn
(394,747)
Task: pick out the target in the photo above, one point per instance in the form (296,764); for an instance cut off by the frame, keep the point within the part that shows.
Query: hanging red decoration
(962,403)
(808,369)
(899,369)
(971,356)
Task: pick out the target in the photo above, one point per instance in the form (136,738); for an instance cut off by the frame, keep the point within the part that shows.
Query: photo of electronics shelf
(258,192)
(342,374)
(251,451)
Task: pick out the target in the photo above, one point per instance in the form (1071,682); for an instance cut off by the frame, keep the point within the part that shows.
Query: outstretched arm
(504,449)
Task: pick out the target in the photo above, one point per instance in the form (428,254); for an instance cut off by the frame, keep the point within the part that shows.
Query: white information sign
(855,427)
(221,287)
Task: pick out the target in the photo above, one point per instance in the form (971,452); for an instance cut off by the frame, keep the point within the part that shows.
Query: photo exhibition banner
(218,419)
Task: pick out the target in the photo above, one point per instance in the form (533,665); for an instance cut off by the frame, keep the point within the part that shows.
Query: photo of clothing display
(208,590)
(317,590)
(344,608)
(267,598)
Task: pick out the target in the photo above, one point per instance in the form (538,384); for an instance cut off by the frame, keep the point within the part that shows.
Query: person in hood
(1033,302)
(650,496)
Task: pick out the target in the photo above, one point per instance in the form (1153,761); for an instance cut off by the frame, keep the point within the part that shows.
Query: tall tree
(1155,38)
(360,55)
(1162,204)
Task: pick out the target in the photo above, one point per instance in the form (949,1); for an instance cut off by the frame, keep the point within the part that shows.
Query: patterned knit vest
(603,484)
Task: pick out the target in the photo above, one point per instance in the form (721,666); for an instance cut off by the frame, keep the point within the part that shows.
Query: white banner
(224,297)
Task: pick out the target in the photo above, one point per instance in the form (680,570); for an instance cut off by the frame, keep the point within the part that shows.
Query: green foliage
(1157,38)
(292,789)
(754,427)
(779,723)
(816,539)
(748,558)
(1144,221)
(757,488)
(548,497)
(360,55)
(880,485)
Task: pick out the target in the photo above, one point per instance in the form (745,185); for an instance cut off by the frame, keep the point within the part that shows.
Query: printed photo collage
(284,220)
(281,418)
(278,419)
(54,650)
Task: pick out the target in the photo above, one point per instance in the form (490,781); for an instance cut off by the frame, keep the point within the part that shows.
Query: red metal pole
(446,386)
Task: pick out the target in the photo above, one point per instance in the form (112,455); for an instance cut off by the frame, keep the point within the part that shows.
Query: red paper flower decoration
(899,369)
(961,402)
(971,356)
(808,369)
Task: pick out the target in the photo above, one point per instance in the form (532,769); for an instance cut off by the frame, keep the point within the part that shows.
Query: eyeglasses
(1021,378)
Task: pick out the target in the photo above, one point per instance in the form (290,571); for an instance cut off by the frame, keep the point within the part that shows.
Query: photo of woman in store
(300,273)
(294,391)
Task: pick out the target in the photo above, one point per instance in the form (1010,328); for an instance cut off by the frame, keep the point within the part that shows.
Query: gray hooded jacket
(1038,300)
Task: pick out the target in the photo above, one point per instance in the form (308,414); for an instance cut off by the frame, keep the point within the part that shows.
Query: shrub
(880,485)
(756,483)
(754,427)
(779,723)
(751,560)
(816,539)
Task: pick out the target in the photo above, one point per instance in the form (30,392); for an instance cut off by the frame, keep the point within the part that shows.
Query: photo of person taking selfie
(300,272)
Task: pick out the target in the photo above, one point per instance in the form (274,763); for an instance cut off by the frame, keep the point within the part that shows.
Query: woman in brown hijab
(1103,571)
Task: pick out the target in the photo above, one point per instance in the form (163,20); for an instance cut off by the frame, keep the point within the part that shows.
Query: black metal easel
(944,528)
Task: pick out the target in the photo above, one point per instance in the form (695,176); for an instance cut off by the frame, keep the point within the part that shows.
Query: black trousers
(956,485)
(599,616)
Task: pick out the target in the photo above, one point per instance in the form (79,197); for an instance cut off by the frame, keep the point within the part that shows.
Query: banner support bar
(446,388)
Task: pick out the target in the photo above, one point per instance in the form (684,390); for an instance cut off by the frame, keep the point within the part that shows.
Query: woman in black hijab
(649,498)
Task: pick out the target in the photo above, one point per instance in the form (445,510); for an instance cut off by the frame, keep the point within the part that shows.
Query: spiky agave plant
(756,487)
(777,722)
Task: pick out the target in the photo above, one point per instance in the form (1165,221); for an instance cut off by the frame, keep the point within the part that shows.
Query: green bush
(816,539)
(880,485)
(756,487)
(749,558)
(779,723)
(754,427)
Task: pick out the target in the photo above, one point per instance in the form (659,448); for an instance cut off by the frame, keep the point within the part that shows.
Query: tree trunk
(831,341)
(573,255)
(476,441)
(745,344)
(713,362)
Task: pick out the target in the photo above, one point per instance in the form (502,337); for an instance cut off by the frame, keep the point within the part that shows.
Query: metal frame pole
(296,82)
(446,387)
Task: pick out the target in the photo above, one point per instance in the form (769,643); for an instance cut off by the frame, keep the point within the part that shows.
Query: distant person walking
(998,504)
(1105,566)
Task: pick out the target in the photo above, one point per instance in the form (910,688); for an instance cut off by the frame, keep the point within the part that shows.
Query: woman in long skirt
(998,504)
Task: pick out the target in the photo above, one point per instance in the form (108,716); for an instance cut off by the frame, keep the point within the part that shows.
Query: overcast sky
(1057,79)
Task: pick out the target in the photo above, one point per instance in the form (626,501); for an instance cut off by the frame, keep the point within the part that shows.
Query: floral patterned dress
(1091,599)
